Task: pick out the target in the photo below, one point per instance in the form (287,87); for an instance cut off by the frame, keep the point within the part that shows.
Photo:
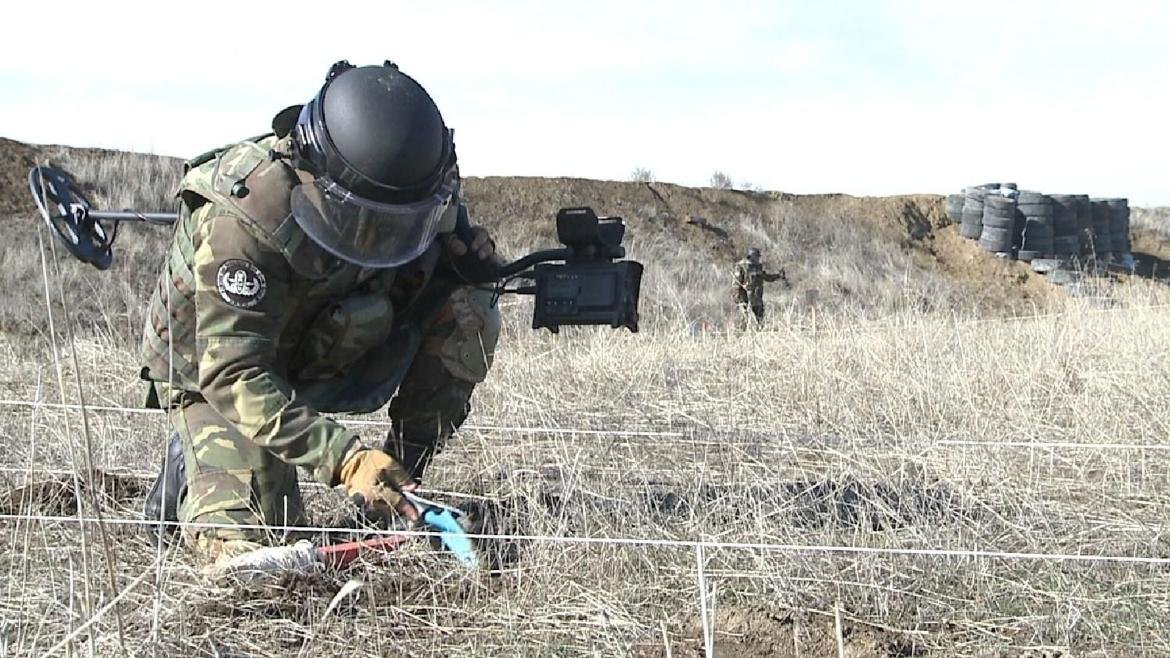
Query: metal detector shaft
(131,216)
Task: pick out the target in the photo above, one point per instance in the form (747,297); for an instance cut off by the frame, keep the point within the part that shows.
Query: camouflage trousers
(749,311)
(234,482)
(231,481)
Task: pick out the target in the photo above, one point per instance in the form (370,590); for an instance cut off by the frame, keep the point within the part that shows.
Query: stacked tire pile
(1030,226)
(1034,215)
(1066,239)
(971,213)
(955,211)
(1119,225)
(1102,231)
(999,225)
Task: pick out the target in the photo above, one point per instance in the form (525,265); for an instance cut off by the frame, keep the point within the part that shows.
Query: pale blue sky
(831,96)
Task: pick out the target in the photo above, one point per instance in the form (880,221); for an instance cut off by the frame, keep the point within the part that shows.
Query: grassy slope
(844,255)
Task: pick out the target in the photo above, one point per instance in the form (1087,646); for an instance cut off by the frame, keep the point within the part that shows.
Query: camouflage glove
(375,481)
(482,244)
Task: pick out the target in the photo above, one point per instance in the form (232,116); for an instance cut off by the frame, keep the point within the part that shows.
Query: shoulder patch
(240,283)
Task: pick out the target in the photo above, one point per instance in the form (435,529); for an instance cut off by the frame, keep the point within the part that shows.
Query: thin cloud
(858,97)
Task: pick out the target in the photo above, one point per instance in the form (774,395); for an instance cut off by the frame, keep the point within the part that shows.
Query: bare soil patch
(754,632)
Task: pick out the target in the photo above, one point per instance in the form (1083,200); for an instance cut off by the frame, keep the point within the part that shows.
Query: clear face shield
(370,233)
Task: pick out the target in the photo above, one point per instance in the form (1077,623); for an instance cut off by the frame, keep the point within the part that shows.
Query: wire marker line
(569,431)
(1053,444)
(642,542)
(373,423)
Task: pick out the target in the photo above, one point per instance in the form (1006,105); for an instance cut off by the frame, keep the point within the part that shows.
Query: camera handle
(473,269)
(470,267)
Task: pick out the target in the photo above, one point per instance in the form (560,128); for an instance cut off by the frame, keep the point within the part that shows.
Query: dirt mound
(992,282)
(809,504)
(57,495)
(720,220)
(16,158)
(1150,228)
(750,632)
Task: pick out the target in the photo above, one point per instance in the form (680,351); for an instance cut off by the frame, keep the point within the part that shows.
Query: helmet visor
(365,232)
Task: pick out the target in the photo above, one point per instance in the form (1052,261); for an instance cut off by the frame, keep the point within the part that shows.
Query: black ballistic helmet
(753,252)
(376,131)
(383,162)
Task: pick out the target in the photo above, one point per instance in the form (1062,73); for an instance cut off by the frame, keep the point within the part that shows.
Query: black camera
(582,283)
(589,287)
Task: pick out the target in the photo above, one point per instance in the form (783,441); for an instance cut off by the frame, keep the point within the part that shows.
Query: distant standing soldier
(750,276)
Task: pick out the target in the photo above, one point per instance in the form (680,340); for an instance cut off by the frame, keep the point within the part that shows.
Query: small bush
(722,181)
(641,175)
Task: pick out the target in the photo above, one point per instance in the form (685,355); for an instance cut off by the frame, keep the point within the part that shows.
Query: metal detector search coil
(69,215)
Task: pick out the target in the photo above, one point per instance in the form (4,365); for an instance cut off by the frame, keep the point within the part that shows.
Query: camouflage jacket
(749,282)
(268,327)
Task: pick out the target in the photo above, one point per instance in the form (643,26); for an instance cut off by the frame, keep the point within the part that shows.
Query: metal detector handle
(469,266)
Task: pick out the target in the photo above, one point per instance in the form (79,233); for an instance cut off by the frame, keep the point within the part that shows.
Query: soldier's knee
(221,505)
(433,410)
(468,351)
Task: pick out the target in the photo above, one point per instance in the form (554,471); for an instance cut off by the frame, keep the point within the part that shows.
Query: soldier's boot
(741,315)
(162,501)
(214,552)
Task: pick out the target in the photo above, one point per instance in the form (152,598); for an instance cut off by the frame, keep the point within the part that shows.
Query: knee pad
(223,498)
(468,352)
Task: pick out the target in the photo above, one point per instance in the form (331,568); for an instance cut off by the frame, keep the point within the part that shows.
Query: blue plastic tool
(444,520)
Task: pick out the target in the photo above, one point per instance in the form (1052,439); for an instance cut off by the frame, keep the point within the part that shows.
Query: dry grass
(1151,219)
(827,429)
(790,436)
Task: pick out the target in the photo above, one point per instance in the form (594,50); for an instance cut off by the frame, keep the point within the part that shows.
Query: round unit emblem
(240,283)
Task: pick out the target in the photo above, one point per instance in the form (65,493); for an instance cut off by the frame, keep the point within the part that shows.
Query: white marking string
(374,423)
(142,475)
(930,443)
(37,470)
(641,542)
(1053,444)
